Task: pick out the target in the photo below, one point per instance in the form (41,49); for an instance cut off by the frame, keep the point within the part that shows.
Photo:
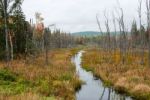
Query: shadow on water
(93,88)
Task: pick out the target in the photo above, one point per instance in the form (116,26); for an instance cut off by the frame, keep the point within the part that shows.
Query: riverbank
(36,81)
(93,89)
(130,78)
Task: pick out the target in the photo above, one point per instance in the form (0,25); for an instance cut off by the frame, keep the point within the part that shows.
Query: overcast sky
(79,15)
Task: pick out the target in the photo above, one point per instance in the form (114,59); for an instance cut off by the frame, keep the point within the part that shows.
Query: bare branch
(98,22)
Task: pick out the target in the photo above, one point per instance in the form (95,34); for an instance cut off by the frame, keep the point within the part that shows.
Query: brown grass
(130,77)
(58,79)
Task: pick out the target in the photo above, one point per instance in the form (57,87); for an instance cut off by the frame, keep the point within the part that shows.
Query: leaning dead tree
(101,32)
(123,37)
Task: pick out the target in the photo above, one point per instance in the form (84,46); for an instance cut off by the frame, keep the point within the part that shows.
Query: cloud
(78,15)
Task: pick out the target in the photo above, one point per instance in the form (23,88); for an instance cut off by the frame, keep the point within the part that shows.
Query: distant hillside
(87,33)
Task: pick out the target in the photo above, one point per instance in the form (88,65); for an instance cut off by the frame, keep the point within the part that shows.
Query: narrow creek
(93,88)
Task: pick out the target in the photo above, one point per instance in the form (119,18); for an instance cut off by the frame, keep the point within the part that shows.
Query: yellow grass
(131,77)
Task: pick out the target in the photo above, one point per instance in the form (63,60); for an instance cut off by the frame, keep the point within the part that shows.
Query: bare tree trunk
(108,33)
(148,27)
(115,34)
(124,36)
(26,47)
(101,32)
(46,49)
(123,42)
(6,33)
(141,34)
(102,39)
(11,47)
(120,38)
(46,44)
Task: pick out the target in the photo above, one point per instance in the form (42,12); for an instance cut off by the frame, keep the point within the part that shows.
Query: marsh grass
(131,77)
(37,81)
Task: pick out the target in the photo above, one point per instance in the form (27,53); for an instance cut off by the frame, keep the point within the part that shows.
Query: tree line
(21,37)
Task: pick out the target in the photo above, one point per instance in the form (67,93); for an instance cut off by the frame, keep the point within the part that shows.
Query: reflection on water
(93,89)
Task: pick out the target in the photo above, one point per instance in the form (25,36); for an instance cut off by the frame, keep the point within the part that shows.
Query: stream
(93,88)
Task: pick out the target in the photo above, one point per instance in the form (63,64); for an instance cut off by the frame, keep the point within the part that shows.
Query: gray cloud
(79,15)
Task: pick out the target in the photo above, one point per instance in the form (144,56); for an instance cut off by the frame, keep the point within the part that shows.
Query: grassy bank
(35,81)
(130,78)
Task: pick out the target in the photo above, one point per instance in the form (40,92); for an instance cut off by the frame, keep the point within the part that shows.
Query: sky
(80,15)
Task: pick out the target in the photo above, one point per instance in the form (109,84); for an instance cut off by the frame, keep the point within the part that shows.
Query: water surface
(93,88)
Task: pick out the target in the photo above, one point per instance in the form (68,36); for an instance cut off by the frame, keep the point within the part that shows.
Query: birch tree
(7,7)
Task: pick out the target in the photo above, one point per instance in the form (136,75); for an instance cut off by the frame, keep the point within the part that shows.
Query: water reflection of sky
(93,89)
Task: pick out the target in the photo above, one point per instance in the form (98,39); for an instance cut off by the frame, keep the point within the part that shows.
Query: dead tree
(108,32)
(115,32)
(123,42)
(141,34)
(120,38)
(114,36)
(124,36)
(46,44)
(101,32)
(148,27)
